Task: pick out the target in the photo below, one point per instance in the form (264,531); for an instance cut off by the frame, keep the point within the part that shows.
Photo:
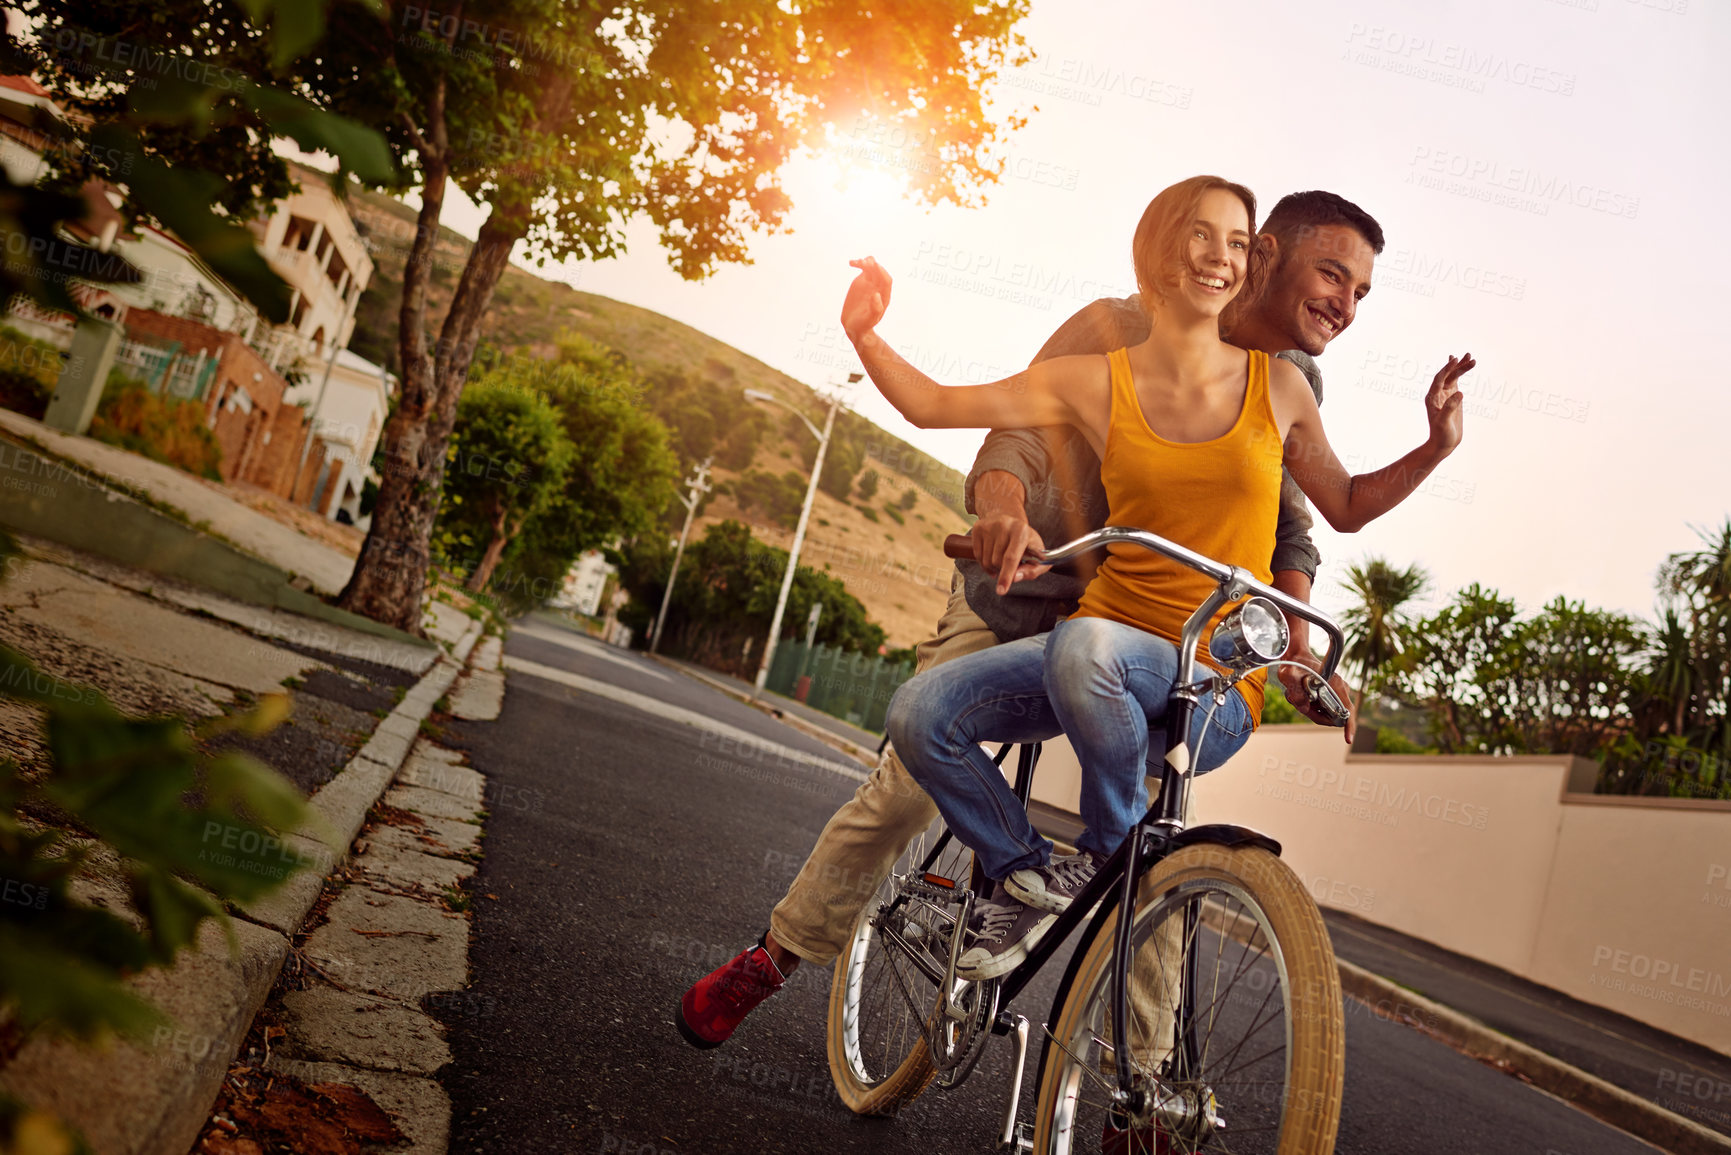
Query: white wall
(1620,902)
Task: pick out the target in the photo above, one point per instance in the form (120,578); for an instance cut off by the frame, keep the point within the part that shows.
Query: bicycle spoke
(1209,1034)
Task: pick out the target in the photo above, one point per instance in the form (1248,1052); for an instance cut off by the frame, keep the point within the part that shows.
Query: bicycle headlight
(1251,635)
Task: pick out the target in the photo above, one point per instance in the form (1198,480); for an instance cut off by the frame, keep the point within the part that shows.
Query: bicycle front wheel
(1237,1042)
(880,1002)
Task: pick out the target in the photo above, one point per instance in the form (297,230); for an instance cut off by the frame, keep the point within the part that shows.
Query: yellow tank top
(1220,498)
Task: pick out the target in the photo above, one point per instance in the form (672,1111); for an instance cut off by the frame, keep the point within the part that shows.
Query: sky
(1549,175)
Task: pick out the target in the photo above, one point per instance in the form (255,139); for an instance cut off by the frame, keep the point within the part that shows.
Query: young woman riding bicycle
(1191,433)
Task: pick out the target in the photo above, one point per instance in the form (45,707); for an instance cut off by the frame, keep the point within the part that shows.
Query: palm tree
(1700,578)
(1697,586)
(1376,627)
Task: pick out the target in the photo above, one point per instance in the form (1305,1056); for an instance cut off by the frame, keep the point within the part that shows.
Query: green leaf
(358,149)
(172,911)
(49,986)
(234,781)
(174,99)
(294,25)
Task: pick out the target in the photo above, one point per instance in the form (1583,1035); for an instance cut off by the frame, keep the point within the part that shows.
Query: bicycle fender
(1225,834)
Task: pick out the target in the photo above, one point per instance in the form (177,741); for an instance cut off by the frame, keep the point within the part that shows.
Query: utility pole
(804,515)
(698,486)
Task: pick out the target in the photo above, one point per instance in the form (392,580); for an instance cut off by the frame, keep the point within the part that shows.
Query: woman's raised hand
(1442,405)
(867,299)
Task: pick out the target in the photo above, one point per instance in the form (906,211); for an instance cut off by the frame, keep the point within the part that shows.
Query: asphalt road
(627,852)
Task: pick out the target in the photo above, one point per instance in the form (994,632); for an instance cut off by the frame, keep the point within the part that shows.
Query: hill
(885,546)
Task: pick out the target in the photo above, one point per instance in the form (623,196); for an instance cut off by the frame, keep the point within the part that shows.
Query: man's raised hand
(867,299)
(1442,405)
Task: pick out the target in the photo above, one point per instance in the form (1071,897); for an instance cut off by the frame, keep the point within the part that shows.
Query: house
(294,411)
(350,418)
(311,242)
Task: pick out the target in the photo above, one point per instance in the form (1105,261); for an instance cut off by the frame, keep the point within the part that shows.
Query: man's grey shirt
(1061,475)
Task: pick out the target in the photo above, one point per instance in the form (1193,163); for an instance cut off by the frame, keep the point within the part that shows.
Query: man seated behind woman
(1203,425)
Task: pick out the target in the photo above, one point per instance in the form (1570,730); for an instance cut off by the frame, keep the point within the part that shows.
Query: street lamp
(804,514)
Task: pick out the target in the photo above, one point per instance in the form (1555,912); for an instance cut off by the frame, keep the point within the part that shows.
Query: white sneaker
(1002,931)
(1055,885)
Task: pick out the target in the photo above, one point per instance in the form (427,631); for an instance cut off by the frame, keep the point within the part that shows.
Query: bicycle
(1240,1052)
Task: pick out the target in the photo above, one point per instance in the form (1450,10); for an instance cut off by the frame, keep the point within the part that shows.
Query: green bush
(29,370)
(1276,710)
(1392,741)
(160,427)
(780,498)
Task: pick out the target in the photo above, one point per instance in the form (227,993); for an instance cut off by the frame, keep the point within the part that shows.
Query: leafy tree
(1377,627)
(178,103)
(509,459)
(1572,671)
(1457,669)
(907,499)
(621,477)
(569,122)
(868,484)
(780,498)
(846,455)
(1694,669)
(705,419)
(726,595)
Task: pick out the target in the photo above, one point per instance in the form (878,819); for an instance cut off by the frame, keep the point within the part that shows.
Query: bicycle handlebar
(1233,580)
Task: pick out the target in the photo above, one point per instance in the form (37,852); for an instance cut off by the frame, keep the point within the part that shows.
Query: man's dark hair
(1298,214)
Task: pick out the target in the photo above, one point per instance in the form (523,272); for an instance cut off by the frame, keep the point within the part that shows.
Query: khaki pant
(865,837)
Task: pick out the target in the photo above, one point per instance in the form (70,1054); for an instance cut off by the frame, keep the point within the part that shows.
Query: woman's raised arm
(1350,501)
(1042,394)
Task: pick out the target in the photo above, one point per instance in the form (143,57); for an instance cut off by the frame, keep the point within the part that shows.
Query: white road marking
(587,647)
(734,742)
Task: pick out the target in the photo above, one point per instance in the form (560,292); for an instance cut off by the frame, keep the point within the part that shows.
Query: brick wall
(247,454)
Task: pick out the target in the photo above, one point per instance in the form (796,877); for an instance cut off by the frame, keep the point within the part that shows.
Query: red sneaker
(720,1000)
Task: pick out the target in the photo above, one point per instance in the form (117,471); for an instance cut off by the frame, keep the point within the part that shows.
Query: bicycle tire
(1252,913)
(878,1056)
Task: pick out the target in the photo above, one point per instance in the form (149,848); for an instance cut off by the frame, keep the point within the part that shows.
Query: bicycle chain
(930,1016)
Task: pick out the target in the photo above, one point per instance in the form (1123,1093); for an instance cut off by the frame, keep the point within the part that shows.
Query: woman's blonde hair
(1159,250)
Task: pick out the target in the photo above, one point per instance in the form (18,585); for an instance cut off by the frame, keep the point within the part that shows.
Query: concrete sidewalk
(1667,1090)
(198,502)
(153,646)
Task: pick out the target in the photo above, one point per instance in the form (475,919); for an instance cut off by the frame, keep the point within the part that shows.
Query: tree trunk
(390,576)
(502,537)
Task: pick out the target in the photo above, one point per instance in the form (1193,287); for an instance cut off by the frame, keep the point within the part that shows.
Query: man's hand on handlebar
(1292,681)
(1001,540)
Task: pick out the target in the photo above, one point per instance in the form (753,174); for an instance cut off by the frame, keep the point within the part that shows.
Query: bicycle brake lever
(1323,698)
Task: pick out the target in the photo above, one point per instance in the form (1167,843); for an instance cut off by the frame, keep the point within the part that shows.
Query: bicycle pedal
(943,892)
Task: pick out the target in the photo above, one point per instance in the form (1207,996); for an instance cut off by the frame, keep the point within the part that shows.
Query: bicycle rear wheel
(1251,1061)
(879,1001)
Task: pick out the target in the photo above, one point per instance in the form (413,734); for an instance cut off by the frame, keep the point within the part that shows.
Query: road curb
(1590,1094)
(154,1099)
(864,755)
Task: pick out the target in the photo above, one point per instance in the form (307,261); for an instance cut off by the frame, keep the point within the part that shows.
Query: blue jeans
(1102,683)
